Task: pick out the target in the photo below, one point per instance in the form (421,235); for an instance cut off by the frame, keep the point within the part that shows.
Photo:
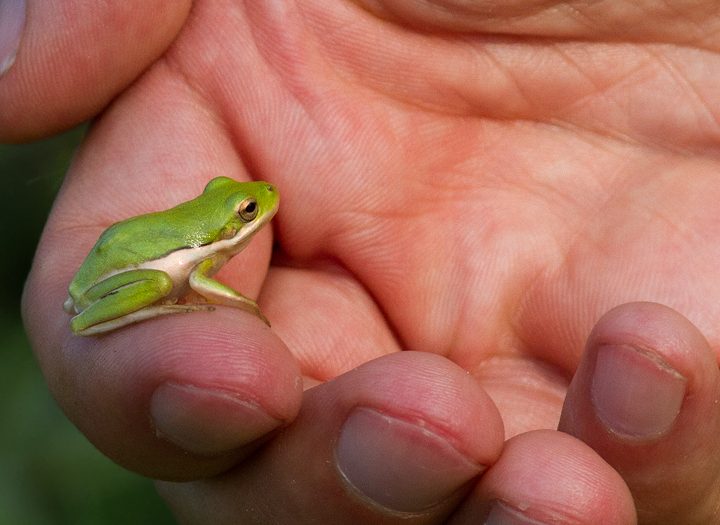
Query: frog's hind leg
(141,315)
(221,294)
(123,299)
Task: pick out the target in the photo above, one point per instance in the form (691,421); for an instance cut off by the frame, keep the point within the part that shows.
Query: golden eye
(248,209)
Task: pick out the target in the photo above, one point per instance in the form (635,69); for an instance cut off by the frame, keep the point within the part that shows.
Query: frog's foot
(142,315)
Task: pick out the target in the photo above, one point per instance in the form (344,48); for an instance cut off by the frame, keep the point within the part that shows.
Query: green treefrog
(141,267)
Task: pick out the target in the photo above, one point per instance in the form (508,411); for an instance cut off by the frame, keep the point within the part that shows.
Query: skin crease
(480,184)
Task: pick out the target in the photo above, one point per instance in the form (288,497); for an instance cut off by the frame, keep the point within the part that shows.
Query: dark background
(49,473)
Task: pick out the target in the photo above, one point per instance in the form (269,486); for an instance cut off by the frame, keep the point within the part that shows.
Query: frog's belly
(178,265)
(181,263)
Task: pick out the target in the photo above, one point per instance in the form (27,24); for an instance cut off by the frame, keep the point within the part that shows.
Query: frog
(146,266)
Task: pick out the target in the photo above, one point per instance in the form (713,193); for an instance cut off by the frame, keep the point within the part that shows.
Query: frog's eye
(248,209)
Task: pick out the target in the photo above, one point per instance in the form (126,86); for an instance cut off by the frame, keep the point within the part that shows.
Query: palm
(483,206)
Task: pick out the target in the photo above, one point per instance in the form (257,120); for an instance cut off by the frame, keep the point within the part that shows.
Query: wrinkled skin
(477,182)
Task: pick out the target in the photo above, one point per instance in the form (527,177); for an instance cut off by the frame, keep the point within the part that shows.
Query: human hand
(478,185)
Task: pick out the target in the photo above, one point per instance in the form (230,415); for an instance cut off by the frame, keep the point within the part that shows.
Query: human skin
(480,202)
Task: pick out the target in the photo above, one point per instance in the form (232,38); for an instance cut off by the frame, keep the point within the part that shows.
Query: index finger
(72,57)
(175,398)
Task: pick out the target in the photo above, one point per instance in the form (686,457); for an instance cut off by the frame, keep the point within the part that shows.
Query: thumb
(62,62)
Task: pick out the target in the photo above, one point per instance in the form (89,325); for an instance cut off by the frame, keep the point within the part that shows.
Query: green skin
(140,267)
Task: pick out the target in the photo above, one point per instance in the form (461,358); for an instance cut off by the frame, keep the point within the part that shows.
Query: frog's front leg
(123,299)
(219,293)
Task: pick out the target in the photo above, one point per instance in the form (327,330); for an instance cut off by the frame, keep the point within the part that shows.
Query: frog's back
(128,243)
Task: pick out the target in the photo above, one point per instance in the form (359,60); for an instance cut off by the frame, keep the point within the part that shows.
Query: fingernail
(635,392)
(206,422)
(12,21)
(398,465)
(502,514)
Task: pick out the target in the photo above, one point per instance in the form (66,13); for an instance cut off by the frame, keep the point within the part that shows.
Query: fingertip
(397,464)
(547,476)
(181,397)
(422,431)
(445,394)
(645,398)
(643,364)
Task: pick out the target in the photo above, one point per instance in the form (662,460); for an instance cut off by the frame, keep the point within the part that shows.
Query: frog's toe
(69,306)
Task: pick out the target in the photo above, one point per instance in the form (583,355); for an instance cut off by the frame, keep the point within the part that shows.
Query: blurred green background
(49,473)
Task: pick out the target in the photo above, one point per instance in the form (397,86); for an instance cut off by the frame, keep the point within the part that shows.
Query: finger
(645,397)
(327,318)
(548,477)
(582,84)
(682,20)
(179,397)
(397,440)
(144,395)
(72,57)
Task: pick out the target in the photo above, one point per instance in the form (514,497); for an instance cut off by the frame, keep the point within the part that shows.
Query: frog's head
(243,208)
